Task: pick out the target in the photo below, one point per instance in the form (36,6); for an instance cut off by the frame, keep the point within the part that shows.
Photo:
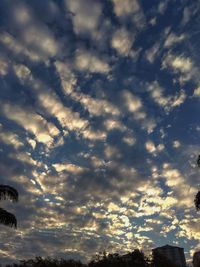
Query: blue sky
(99,122)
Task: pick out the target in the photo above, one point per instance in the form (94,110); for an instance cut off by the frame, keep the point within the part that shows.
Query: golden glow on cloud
(30,121)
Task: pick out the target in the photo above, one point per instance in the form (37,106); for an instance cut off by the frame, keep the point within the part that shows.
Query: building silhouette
(172,253)
(196,259)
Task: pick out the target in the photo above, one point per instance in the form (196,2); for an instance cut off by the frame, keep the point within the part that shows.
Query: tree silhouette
(7,218)
(197,197)
(135,258)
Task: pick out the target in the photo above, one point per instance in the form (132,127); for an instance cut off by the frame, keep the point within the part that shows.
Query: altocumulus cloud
(94,99)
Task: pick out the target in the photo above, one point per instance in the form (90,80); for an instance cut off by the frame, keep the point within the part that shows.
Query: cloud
(122,41)
(50,102)
(67,167)
(153,52)
(176,144)
(17,47)
(88,61)
(85,17)
(133,103)
(129,139)
(10,138)
(67,77)
(173,39)
(181,65)
(183,191)
(150,147)
(35,35)
(111,124)
(95,106)
(43,131)
(129,9)
(197,92)
(162,7)
(168,102)
(188,12)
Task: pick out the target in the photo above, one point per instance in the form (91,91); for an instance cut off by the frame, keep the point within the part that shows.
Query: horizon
(99,127)
(148,253)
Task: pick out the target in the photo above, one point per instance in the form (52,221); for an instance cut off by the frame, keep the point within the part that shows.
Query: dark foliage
(197,197)
(198,161)
(7,218)
(50,262)
(8,192)
(197,201)
(134,259)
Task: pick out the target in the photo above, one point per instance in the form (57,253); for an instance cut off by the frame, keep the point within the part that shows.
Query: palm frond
(7,218)
(8,192)
(198,161)
(197,201)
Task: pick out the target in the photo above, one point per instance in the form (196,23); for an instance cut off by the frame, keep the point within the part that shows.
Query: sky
(99,125)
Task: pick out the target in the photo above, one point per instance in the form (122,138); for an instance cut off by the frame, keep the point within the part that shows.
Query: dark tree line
(134,259)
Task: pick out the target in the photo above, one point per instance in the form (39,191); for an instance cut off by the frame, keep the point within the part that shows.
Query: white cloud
(182,190)
(173,176)
(122,41)
(149,124)
(111,152)
(23,157)
(162,6)
(87,61)
(32,122)
(68,167)
(189,12)
(36,35)
(85,15)
(22,72)
(95,106)
(94,135)
(50,102)
(150,147)
(38,38)
(111,124)
(67,118)
(179,63)
(176,144)
(153,52)
(135,106)
(68,79)
(129,8)
(10,138)
(4,65)
(129,139)
(197,92)
(32,142)
(173,39)
(18,48)
(132,102)
(167,102)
